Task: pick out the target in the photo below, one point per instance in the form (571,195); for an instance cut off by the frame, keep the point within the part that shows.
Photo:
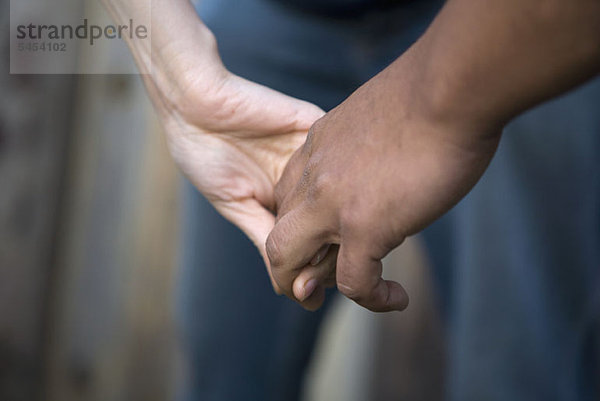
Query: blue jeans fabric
(242,341)
(516,262)
(519,261)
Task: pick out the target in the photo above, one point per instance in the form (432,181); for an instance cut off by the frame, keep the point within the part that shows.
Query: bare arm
(231,137)
(487,61)
(412,141)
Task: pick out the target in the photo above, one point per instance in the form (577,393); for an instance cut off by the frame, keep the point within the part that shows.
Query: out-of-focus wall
(110,335)
(88,239)
(88,231)
(34,121)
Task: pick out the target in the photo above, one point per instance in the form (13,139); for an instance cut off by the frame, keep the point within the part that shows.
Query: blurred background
(119,283)
(89,227)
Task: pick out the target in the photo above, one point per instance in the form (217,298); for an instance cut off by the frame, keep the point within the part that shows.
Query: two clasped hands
(326,196)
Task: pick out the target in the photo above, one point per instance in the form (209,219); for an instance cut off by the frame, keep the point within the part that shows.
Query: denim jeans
(516,263)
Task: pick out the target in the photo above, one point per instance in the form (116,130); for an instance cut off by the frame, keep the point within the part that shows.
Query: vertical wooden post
(34,126)
(88,221)
(111,338)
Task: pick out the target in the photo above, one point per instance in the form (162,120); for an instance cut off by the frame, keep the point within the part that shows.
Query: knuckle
(351,291)
(307,147)
(311,137)
(361,293)
(319,124)
(305,181)
(321,184)
(307,172)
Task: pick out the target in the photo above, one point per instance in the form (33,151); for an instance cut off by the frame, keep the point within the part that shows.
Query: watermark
(83,31)
(73,37)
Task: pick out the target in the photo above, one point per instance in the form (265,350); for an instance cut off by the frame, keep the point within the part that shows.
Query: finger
(316,274)
(256,222)
(309,287)
(310,294)
(320,255)
(359,278)
(315,300)
(294,242)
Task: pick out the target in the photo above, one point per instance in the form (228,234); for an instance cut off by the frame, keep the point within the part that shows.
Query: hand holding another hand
(376,169)
(392,158)
(231,137)
(234,144)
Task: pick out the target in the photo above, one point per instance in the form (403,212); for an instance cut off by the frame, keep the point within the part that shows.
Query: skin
(410,143)
(231,137)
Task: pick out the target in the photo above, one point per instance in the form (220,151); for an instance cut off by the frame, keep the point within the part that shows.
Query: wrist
(472,71)
(180,60)
(444,95)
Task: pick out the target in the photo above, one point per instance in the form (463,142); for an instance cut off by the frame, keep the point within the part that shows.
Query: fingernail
(309,288)
(320,255)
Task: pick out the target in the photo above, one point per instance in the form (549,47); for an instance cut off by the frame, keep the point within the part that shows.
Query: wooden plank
(34,123)
(410,355)
(112,334)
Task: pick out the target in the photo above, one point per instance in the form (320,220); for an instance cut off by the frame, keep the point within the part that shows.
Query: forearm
(413,141)
(179,52)
(484,62)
